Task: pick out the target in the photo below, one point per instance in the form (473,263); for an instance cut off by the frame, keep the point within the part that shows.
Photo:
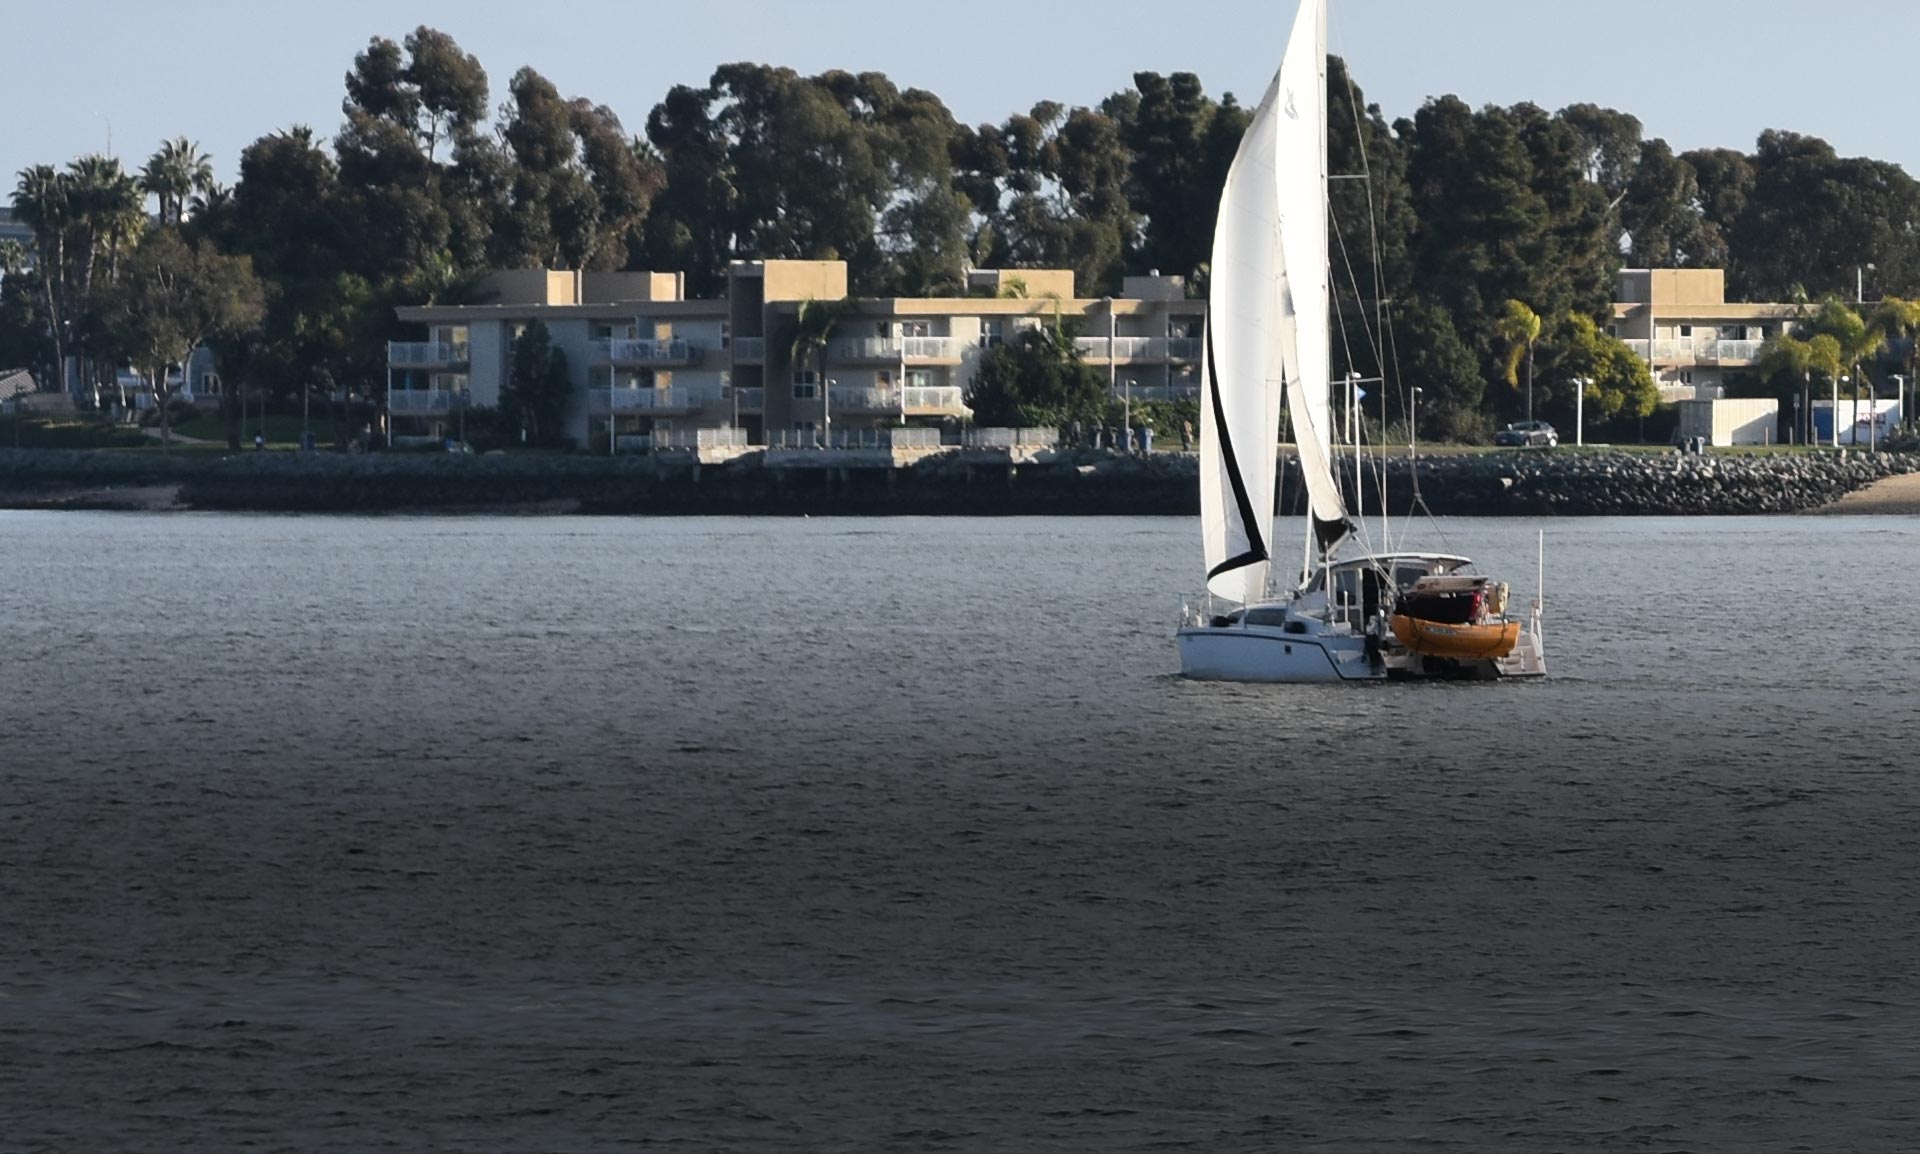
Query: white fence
(701,439)
(854,439)
(994,438)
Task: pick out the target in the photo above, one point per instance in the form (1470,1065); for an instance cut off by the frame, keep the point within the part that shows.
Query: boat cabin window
(1273,618)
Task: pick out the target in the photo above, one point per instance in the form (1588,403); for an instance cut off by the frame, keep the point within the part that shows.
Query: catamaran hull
(1269,656)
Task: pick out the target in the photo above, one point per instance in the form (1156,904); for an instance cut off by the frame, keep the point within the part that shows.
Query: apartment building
(1680,322)
(650,368)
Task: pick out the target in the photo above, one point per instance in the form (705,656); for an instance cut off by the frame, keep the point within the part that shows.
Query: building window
(726,334)
(1686,332)
(1686,377)
(992,332)
(883,329)
(806,384)
(919,379)
(916,329)
(1732,332)
(1613,330)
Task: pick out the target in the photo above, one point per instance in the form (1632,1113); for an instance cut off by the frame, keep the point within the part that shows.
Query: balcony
(917,400)
(749,350)
(1697,351)
(751,399)
(886,350)
(426,354)
(1120,348)
(1184,348)
(646,402)
(420,402)
(646,354)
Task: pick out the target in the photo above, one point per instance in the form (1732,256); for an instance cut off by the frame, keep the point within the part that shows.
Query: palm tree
(1899,319)
(1519,327)
(108,213)
(42,200)
(173,174)
(811,327)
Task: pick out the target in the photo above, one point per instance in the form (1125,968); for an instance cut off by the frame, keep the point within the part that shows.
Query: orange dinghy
(1434,639)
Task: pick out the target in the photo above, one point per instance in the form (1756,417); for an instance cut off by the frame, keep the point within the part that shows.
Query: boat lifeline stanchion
(1540,590)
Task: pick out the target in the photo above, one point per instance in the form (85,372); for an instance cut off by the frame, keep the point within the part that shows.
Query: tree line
(1480,251)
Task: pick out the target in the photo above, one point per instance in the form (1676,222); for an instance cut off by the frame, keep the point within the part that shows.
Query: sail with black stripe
(1268,313)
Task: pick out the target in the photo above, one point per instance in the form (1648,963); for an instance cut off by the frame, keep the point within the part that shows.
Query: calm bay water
(482,834)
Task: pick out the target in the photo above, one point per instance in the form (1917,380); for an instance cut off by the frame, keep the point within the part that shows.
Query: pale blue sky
(1698,72)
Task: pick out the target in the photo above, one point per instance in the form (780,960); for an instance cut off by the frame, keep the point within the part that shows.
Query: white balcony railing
(935,398)
(749,348)
(886,349)
(912,399)
(1120,348)
(646,400)
(647,352)
(1697,350)
(407,402)
(862,400)
(424,354)
(1184,348)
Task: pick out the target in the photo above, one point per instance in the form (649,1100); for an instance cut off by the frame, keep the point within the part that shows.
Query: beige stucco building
(650,367)
(1680,322)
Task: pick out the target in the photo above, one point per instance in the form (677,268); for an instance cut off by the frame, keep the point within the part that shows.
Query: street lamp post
(1900,395)
(1580,410)
(1860,282)
(826,410)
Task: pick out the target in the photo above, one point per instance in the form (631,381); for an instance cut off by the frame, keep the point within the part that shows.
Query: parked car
(1527,433)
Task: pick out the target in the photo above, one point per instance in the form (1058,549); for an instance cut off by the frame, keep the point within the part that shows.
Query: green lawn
(282,428)
(66,433)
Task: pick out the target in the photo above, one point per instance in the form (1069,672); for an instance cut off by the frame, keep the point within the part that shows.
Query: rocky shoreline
(1494,483)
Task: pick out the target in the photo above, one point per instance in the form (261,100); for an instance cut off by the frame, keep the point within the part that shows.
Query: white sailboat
(1355,617)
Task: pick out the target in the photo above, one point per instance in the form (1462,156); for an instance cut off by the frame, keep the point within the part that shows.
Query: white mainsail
(1268,312)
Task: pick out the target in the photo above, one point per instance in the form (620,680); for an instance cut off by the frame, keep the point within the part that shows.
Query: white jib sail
(1267,320)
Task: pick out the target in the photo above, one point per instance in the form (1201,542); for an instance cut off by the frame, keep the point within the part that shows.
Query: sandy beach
(1893,495)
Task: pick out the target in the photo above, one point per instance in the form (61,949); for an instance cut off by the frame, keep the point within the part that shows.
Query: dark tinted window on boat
(1272,618)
